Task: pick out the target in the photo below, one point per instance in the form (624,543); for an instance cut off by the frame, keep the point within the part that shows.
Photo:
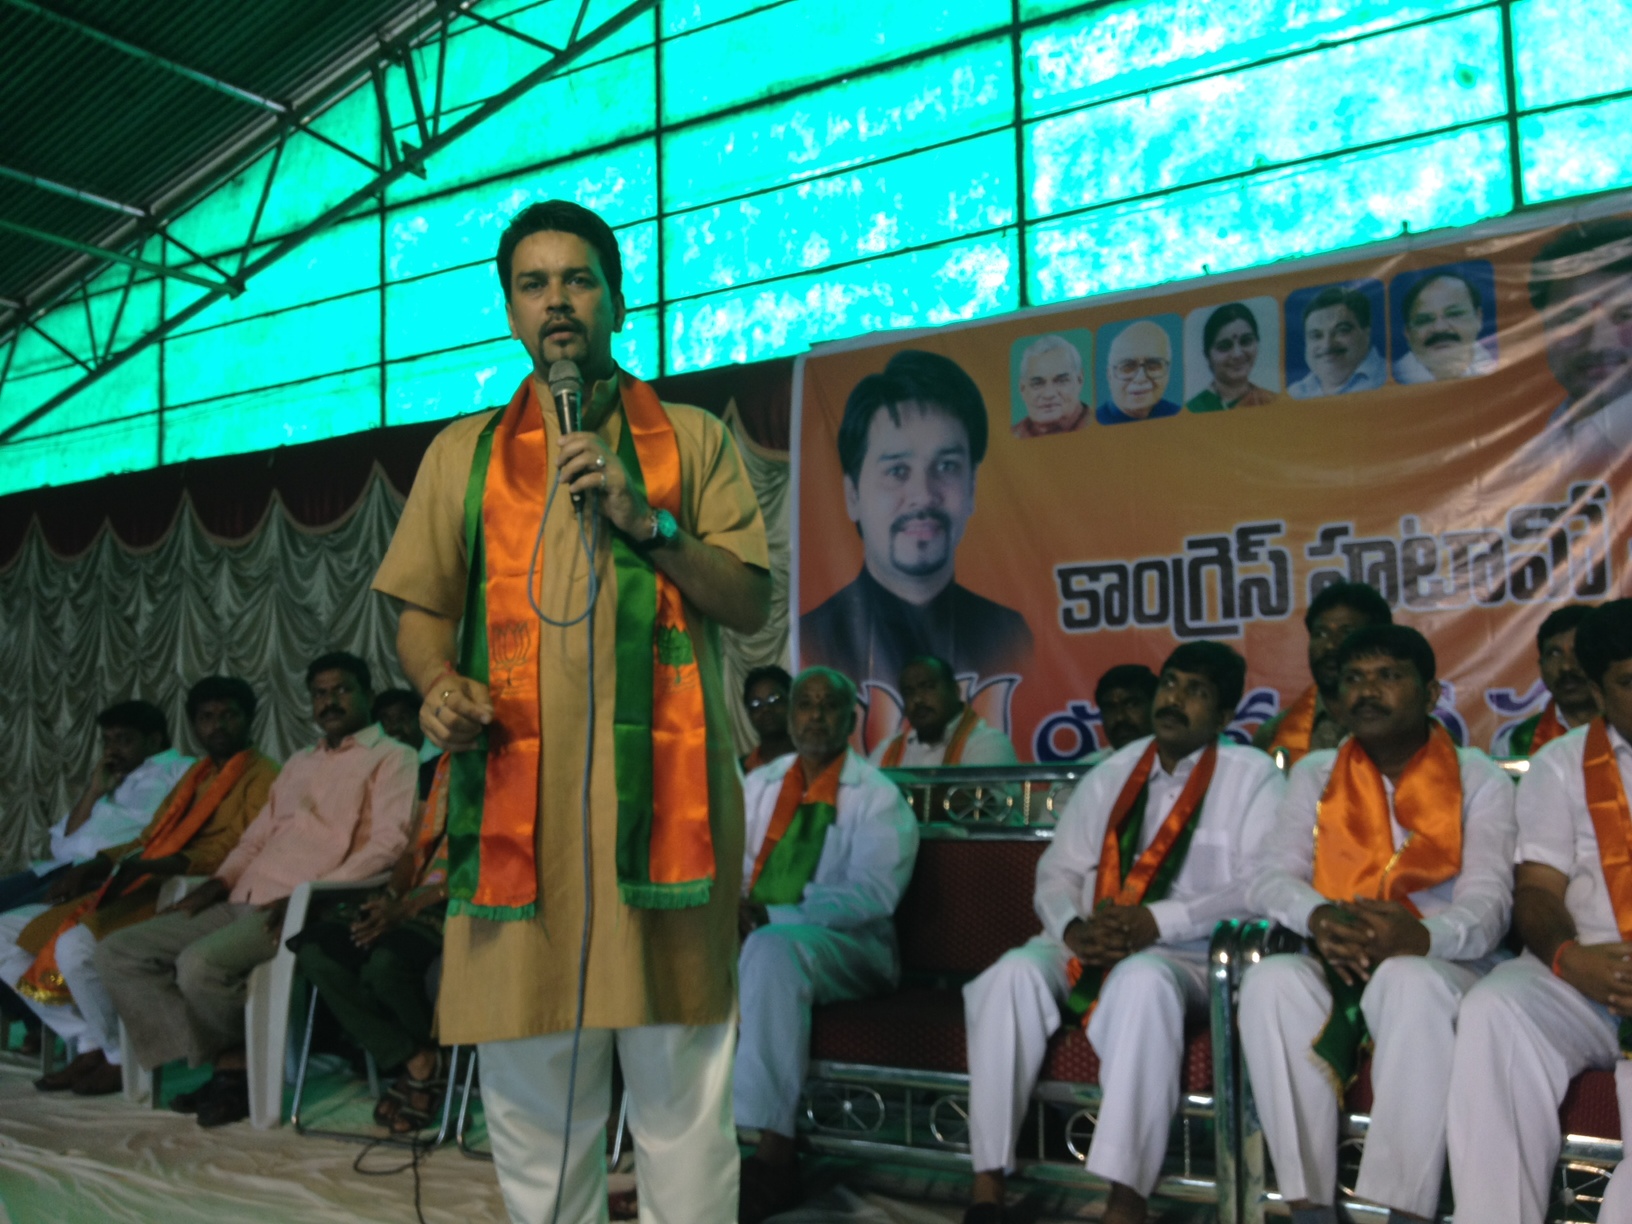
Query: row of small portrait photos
(1442,326)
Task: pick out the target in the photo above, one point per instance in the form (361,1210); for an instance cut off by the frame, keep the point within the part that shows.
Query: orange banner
(1041,496)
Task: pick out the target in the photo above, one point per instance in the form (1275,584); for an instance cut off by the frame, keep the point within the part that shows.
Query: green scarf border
(794,861)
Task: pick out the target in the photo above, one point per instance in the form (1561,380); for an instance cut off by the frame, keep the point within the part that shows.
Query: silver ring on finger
(600,461)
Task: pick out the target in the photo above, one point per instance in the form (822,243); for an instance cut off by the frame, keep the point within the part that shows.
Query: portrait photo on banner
(1442,322)
(1140,370)
(1335,339)
(1050,376)
(1232,355)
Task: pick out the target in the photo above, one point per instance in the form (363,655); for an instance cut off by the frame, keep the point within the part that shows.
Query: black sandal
(411,1115)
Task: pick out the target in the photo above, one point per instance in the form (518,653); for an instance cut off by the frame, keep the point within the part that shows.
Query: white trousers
(1012,1010)
(93,1027)
(1524,1035)
(784,970)
(1410,1006)
(679,1082)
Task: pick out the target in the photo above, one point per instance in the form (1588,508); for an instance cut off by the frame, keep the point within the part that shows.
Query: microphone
(567,386)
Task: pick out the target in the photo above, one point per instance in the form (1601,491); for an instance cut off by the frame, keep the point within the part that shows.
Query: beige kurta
(506,980)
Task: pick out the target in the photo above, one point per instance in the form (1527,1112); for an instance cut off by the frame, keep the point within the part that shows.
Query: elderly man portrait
(1338,346)
(1051,382)
(1229,342)
(911,444)
(1443,315)
(1138,368)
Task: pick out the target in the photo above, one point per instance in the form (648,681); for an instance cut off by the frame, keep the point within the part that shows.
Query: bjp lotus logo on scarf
(509,646)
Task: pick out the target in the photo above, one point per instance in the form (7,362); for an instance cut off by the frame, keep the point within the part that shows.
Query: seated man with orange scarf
(1570,699)
(1154,848)
(196,825)
(941,728)
(1309,723)
(1527,1030)
(1394,855)
(830,846)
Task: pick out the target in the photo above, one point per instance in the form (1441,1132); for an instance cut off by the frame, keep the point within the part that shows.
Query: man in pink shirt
(339,811)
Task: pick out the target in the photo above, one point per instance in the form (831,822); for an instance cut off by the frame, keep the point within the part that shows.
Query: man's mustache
(559,323)
(1446,337)
(1173,712)
(1369,707)
(327,710)
(934,516)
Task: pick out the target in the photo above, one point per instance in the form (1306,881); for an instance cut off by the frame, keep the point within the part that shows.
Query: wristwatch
(663,531)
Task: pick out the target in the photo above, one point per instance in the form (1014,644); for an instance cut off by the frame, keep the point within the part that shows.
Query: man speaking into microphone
(569,658)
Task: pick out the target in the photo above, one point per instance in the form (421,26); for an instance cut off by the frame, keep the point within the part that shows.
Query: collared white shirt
(1556,830)
(1410,369)
(120,815)
(867,857)
(1236,813)
(986,745)
(1371,373)
(1466,916)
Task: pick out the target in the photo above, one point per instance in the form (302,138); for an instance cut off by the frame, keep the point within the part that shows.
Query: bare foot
(1125,1206)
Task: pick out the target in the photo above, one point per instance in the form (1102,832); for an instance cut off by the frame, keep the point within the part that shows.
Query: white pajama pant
(678,1078)
(1410,1006)
(93,1027)
(1524,1035)
(785,969)
(1013,1009)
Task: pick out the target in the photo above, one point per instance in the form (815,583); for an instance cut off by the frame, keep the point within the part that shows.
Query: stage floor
(78,1160)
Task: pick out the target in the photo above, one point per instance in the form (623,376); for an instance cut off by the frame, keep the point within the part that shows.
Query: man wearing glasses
(765,697)
(1140,364)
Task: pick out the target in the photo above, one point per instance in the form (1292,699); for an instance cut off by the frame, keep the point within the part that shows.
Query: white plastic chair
(266,1007)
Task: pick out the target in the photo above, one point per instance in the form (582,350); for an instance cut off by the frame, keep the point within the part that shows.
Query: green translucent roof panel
(1363,197)
(128,391)
(22,393)
(961,280)
(858,214)
(128,446)
(804,41)
(336,335)
(136,314)
(283,416)
(680,16)
(1566,50)
(1575,151)
(452,384)
(314,176)
(1144,44)
(635,348)
(881,114)
(1384,88)
(221,221)
(438,312)
(463,228)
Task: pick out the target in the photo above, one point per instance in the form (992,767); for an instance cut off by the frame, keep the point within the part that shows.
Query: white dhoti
(92,1028)
(678,1078)
(1410,1006)
(784,970)
(1523,1036)
(1013,1009)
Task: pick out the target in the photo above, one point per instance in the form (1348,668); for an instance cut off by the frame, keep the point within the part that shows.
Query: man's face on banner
(1140,363)
(1444,327)
(913,495)
(1588,322)
(1050,385)
(1334,344)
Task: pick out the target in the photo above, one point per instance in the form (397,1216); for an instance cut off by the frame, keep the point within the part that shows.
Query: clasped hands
(1111,933)
(1356,936)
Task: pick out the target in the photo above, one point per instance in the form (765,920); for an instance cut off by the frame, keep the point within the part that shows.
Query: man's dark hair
(1413,293)
(1394,641)
(1359,305)
(1570,255)
(341,660)
(1356,596)
(221,688)
(1135,676)
(563,217)
(1230,312)
(939,665)
(1604,637)
(406,699)
(927,378)
(1223,666)
(772,672)
(142,717)
(1563,620)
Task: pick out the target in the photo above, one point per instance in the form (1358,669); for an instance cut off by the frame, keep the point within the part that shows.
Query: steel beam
(86,30)
(73,193)
(130,261)
(363,195)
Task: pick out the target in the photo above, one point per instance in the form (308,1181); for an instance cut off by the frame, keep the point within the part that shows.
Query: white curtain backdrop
(81,633)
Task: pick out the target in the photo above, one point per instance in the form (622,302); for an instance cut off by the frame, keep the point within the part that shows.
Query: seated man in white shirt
(1154,848)
(829,849)
(941,728)
(136,770)
(1526,1031)
(1393,854)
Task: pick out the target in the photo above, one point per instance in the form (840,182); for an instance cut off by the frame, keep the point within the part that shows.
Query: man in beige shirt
(338,811)
(657,982)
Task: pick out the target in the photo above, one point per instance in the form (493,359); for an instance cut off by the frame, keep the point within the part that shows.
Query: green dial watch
(664,530)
